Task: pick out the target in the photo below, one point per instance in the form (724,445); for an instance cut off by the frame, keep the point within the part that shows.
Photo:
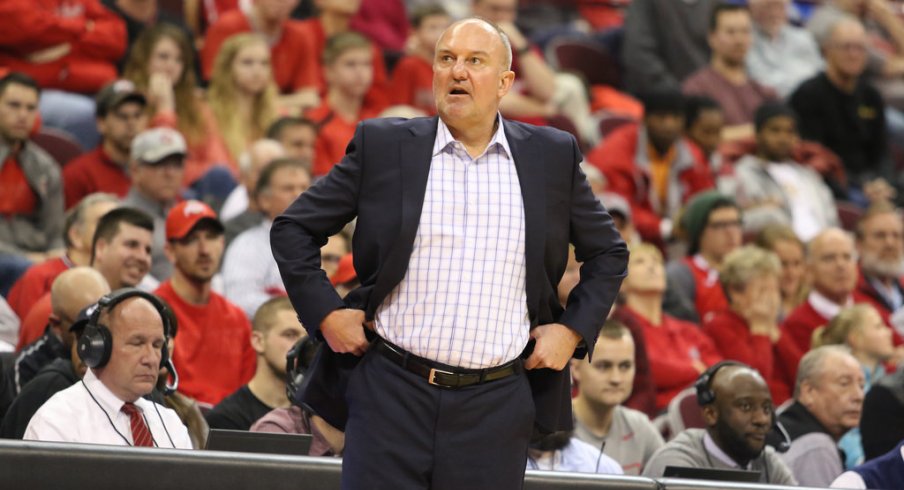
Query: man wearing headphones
(124,345)
(737,408)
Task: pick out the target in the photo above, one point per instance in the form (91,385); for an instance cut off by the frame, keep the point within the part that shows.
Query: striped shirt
(463,301)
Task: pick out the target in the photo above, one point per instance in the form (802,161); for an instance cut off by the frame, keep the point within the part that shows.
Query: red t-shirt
(33,323)
(801,323)
(295,60)
(412,84)
(777,362)
(94,172)
(35,283)
(334,135)
(213,353)
(671,349)
(16,195)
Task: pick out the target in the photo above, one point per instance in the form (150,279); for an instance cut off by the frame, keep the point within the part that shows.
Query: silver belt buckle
(431,377)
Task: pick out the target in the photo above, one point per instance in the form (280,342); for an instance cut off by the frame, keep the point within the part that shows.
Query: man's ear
(710,414)
(257,341)
(505,82)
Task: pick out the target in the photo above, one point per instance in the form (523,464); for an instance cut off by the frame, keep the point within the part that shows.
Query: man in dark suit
(462,236)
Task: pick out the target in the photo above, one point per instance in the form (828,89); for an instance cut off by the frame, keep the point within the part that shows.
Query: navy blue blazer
(382,180)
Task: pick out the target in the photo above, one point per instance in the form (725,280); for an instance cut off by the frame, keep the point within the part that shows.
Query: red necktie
(141,435)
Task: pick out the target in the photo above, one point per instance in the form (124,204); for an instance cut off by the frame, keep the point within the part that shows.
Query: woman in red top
(159,65)
(749,330)
(678,351)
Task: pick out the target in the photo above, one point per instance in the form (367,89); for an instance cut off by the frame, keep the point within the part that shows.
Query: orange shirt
(660,166)
(412,84)
(295,60)
(213,353)
(16,195)
(334,134)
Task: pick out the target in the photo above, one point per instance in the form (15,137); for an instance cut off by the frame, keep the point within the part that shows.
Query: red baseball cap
(345,272)
(188,214)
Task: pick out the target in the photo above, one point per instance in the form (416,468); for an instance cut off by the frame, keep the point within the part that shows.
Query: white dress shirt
(235,204)
(88,412)
(250,273)
(463,300)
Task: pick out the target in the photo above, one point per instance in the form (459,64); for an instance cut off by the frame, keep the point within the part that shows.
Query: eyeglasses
(724,225)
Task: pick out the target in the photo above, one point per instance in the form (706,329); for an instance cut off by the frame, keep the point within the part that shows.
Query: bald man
(738,412)
(832,266)
(463,224)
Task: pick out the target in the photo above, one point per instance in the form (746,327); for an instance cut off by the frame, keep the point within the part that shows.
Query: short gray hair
(813,364)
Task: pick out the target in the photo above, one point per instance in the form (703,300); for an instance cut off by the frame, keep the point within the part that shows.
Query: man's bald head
(490,27)
(75,289)
(731,379)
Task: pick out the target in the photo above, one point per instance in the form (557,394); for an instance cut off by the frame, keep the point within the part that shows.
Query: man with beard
(828,401)
(737,408)
(275,330)
(880,242)
(213,352)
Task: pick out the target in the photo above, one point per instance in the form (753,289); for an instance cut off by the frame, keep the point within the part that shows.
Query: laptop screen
(259,442)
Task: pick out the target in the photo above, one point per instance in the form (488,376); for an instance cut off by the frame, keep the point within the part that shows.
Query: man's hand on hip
(343,331)
(554,346)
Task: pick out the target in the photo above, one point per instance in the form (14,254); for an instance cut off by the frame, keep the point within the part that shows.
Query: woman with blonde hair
(161,64)
(783,242)
(242,93)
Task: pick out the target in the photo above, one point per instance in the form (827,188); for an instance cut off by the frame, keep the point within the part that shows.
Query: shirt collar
(709,445)
(111,403)
(824,306)
(444,138)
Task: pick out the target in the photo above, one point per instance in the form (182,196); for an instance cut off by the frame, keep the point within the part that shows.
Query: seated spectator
(771,187)
(600,419)
(748,331)
(562,451)
(711,224)
(677,350)
(345,279)
(108,407)
(842,111)
(828,398)
(883,472)
(59,374)
(782,55)
(160,66)
(539,92)
(293,52)
(348,67)
(120,117)
(664,43)
(703,124)
(384,22)
(328,441)
(70,47)
(141,14)
(239,202)
(882,424)
(880,246)
(652,166)
(213,353)
(885,46)
(725,79)
(860,328)
(121,249)
(832,268)
(242,93)
(738,412)
(157,163)
(297,135)
(412,77)
(9,328)
(31,204)
(250,274)
(620,210)
(275,330)
(331,253)
(793,283)
(79,227)
(72,290)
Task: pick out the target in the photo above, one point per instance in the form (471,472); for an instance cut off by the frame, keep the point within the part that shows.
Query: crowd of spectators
(748,153)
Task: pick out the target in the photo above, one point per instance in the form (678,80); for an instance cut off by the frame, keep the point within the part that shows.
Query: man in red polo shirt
(31,201)
(120,117)
(213,351)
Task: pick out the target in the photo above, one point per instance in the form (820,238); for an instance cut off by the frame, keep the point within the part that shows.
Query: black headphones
(96,343)
(298,360)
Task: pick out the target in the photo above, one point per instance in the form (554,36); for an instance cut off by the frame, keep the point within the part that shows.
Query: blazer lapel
(414,154)
(533,194)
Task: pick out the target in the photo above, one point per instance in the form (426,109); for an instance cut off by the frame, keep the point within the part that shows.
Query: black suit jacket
(382,180)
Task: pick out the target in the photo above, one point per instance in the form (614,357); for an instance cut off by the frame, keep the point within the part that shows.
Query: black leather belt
(442,375)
